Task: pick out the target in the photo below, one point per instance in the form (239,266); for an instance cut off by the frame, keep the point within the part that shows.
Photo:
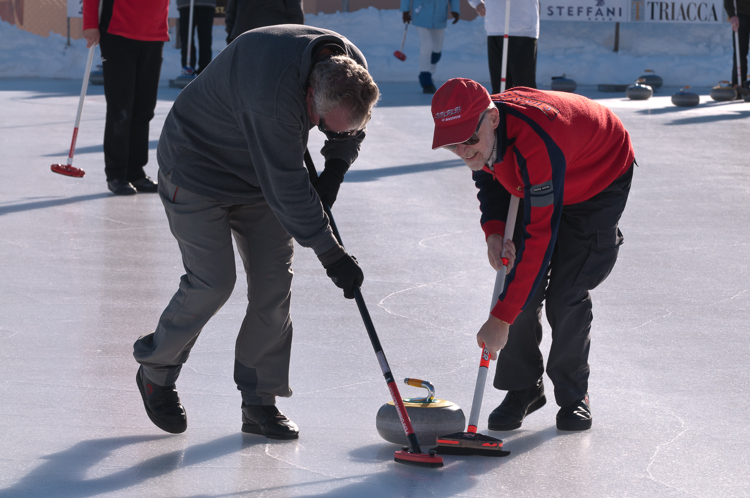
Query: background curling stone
(684,98)
(723,92)
(97,76)
(563,84)
(639,90)
(651,79)
(430,417)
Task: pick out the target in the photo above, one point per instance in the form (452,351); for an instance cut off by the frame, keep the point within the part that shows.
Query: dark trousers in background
(743,39)
(588,240)
(203,22)
(521,70)
(131,80)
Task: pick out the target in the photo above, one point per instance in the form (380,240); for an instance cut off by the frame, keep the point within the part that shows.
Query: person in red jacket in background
(131,35)
(570,161)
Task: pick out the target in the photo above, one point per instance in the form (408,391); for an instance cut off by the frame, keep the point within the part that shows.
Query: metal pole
(617,36)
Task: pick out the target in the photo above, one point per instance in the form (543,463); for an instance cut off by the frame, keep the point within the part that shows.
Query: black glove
(455,17)
(406,16)
(328,183)
(346,274)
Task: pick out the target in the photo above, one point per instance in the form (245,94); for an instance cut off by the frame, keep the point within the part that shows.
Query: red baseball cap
(456,108)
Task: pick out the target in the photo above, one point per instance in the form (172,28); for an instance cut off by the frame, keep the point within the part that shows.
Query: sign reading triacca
(710,11)
(585,10)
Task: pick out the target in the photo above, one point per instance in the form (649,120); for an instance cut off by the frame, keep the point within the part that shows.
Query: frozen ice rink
(84,273)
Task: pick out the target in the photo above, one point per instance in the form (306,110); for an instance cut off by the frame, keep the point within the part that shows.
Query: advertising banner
(585,10)
(684,11)
(75,8)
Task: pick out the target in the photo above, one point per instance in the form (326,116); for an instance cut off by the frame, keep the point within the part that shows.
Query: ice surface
(85,273)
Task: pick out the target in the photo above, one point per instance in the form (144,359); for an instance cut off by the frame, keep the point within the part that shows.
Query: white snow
(682,54)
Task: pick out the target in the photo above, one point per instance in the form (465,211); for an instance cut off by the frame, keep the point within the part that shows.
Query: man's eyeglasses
(335,135)
(473,140)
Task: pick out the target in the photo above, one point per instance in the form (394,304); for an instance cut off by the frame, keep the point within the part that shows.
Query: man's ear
(494,118)
(309,103)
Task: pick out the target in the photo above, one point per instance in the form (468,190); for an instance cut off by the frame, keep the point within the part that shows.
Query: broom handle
(484,364)
(504,72)
(190,34)
(403,41)
(372,334)
(84,86)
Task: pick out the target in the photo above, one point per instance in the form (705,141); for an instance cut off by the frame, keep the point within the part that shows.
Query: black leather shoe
(162,405)
(576,417)
(429,89)
(268,421)
(121,187)
(514,408)
(146,185)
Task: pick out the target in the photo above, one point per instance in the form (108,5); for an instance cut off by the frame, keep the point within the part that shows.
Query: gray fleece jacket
(238,132)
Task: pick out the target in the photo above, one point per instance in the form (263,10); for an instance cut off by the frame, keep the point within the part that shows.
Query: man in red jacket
(570,161)
(132,35)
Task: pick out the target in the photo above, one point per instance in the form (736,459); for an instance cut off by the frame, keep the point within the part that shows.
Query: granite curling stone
(684,98)
(563,84)
(639,90)
(430,418)
(723,92)
(651,79)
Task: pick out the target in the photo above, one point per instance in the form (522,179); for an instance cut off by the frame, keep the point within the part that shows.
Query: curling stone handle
(422,383)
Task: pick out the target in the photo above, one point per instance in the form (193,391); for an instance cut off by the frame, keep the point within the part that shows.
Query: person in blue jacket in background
(430,18)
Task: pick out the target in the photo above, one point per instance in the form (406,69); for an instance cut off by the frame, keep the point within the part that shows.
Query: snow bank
(687,54)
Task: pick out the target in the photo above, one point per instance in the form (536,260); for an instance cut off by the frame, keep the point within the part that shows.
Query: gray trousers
(588,240)
(204,228)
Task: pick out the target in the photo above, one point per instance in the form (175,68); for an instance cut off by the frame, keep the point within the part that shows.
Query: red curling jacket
(554,149)
(144,20)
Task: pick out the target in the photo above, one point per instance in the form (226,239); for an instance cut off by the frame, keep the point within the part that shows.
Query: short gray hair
(340,82)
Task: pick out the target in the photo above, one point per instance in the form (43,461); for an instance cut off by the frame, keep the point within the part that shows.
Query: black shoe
(576,417)
(146,185)
(429,89)
(516,405)
(268,421)
(162,405)
(121,187)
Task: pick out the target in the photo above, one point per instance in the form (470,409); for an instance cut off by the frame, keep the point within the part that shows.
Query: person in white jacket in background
(522,40)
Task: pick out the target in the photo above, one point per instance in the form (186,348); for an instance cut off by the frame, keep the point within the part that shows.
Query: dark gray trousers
(204,228)
(585,252)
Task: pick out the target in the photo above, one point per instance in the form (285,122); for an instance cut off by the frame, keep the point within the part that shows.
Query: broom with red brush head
(399,54)
(471,442)
(411,454)
(68,169)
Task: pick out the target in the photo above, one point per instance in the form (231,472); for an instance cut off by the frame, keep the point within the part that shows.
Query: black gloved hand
(346,274)
(406,16)
(455,15)
(328,183)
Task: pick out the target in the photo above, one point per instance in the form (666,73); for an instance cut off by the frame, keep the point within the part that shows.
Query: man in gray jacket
(231,164)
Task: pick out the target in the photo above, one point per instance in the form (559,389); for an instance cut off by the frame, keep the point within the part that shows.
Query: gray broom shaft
(476,404)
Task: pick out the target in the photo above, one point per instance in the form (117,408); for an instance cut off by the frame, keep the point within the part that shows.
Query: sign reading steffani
(585,10)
